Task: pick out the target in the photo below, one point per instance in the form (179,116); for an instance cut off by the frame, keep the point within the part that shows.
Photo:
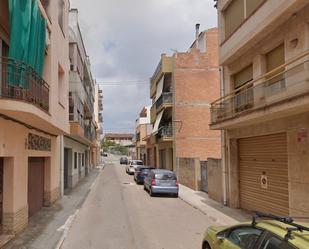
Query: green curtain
(27,40)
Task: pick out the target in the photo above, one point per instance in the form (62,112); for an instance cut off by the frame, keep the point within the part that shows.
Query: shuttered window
(252,5)
(275,58)
(234,15)
(243,77)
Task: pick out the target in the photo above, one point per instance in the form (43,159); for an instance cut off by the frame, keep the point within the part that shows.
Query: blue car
(140,173)
(159,181)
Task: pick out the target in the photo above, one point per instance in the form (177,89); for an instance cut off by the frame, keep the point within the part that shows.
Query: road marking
(65,228)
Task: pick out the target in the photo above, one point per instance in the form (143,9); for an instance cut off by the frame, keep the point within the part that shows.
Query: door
(66,169)
(263,174)
(35,184)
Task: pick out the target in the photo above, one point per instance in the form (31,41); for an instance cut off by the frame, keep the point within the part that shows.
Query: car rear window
(137,163)
(166,176)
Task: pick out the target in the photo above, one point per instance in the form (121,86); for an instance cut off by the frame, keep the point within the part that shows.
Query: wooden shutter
(252,5)
(243,76)
(275,58)
(234,15)
(264,155)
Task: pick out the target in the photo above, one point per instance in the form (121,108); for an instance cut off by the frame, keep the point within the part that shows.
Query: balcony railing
(165,98)
(89,132)
(76,109)
(273,87)
(32,88)
(165,132)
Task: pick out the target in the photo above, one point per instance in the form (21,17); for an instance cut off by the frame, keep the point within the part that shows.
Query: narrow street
(118,214)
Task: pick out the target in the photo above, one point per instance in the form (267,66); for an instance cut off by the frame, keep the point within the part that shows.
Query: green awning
(27,40)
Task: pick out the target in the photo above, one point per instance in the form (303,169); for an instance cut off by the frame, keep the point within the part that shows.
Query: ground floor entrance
(35,184)
(263,174)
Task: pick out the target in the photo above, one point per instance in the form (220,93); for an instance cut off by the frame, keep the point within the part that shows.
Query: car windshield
(165,176)
(137,163)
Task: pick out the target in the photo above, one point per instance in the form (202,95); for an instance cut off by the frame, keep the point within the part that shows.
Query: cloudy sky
(125,38)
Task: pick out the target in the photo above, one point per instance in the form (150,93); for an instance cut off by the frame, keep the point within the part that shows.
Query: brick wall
(196,85)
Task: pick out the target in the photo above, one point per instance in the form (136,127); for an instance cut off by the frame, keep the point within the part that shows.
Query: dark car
(160,181)
(105,154)
(124,160)
(140,173)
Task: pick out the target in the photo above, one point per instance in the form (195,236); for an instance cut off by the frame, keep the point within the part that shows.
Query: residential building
(33,107)
(264,108)
(182,88)
(81,144)
(124,139)
(98,113)
(143,128)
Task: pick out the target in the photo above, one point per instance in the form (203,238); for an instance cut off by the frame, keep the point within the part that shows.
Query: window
(244,237)
(243,97)
(237,12)
(274,59)
(83,160)
(233,16)
(243,77)
(75,160)
(252,5)
(275,243)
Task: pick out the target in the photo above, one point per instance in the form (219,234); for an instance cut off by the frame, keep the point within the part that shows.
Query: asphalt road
(118,214)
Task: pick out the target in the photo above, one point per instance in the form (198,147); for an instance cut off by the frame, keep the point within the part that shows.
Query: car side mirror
(220,237)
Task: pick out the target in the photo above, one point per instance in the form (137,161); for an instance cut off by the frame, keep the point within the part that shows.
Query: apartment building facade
(80,146)
(264,108)
(98,113)
(33,107)
(182,88)
(143,129)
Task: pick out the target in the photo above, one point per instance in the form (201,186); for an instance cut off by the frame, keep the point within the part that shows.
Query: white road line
(65,228)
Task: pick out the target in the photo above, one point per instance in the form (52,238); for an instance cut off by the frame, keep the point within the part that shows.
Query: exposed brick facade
(196,85)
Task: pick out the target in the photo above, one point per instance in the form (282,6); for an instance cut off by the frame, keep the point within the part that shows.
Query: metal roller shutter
(264,156)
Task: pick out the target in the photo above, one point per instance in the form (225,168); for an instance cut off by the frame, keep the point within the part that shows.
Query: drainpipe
(61,166)
(223,143)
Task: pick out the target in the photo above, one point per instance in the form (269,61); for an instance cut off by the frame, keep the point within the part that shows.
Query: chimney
(197,32)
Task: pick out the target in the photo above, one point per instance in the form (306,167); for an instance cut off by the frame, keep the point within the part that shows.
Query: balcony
(153,113)
(89,132)
(165,100)
(34,89)
(258,98)
(165,133)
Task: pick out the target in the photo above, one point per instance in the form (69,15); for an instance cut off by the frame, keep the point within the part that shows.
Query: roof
(119,135)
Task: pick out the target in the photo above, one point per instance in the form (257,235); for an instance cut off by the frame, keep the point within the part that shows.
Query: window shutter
(234,15)
(252,5)
(243,76)
(275,58)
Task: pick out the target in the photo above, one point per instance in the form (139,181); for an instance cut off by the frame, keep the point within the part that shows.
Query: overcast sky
(125,38)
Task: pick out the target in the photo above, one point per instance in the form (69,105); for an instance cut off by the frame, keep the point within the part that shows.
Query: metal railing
(76,109)
(20,81)
(285,82)
(165,98)
(89,132)
(165,132)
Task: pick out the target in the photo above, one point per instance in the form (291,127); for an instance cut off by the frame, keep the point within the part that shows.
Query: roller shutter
(259,157)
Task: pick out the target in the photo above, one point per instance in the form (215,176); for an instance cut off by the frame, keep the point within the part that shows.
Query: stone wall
(189,172)
(214,171)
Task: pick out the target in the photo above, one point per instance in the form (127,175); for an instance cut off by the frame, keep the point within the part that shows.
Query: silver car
(130,168)
(160,181)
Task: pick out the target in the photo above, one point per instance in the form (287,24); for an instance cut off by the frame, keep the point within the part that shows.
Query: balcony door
(4,52)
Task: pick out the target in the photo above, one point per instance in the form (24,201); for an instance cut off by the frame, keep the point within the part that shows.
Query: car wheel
(176,195)
(206,245)
(145,187)
(150,192)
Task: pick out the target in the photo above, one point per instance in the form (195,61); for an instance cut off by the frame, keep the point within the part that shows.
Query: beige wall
(298,160)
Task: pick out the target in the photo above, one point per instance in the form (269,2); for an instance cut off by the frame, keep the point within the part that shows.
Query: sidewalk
(217,212)
(48,226)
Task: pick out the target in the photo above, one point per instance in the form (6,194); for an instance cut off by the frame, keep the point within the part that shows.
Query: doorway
(66,169)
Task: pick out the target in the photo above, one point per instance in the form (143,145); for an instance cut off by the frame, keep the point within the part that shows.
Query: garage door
(263,174)
(35,184)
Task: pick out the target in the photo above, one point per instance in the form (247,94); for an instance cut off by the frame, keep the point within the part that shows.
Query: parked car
(274,233)
(140,173)
(160,181)
(124,160)
(130,168)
